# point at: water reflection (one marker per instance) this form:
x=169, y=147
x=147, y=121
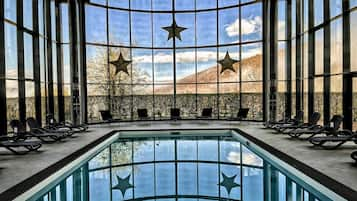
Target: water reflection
x=176, y=168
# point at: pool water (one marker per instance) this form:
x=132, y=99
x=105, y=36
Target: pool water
x=188, y=167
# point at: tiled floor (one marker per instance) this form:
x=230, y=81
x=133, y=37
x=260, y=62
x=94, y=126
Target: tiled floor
x=336, y=164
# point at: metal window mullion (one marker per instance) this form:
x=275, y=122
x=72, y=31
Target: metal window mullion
x=21, y=62
x=346, y=61
x=82, y=66
x=298, y=58
x=174, y=54
x=288, y=59
x=3, y=107
x=327, y=62
x=273, y=59
x=59, y=56
x=217, y=66
x=49, y=56
x=36, y=61
x=311, y=59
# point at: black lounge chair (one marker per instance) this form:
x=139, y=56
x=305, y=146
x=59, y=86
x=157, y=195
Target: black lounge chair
x=143, y=114
x=337, y=140
x=43, y=134
x=330, y=129
x=206, y=113
x=175, y=114
x=242, y=114
x=286, y=121
x=354, y=156
x=55, y=125
x=314, y=119
x=12, y=145
x=107, y=116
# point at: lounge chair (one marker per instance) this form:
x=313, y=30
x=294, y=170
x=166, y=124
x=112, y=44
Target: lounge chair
x=337, y=140
x=206, y=113
x=175, y=114
x=354, y=156
x=107, y=116
x=143, y=114
x=330, y=129
x=55, y=125
x=13, y=145
x=45, y=135
x=242, y=114
x=286, y=121
x=314, y=119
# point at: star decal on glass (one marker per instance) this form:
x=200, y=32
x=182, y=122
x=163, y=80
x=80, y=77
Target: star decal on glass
x=123, y=184
x=174, y=30
x=227, y=63
x=228, y=182
x=121, y=64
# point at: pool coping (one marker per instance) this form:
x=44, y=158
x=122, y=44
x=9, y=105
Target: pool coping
x=335, y=186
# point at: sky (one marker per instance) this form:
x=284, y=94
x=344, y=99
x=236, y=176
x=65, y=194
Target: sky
x=146, y=31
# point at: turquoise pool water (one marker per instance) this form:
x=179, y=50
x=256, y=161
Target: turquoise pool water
x=188, y=166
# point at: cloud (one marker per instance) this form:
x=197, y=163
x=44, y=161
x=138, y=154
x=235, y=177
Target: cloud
x=189, y=57
x=249, y=26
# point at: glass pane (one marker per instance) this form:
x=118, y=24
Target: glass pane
x=187, y=178
x=122, y=153
x=206, y=28
x=207, y=66
x=253, y=184
x=165, y=179
x=185, y=5
x=208, y=150
x=206, y=4
x=228, y=26
x=230, y=171
x=143, y=151
x=144, y=180
x=161, y=35
x=162, y=5
x=250, y=158
x=230, y=151
x=336, y=47
x=319, y=52
x=208, y=179
x=100, y=160
x=319, y=11
x=96, y=29
x=140, y=4
x=11, y=51
x=122, y=173
x=27, y=9
x=99, y=185
x=186, y=150
x=64, y=23
x=119, y=4
x=164, y=150
x=186, y=20
x=141, y=33
x=28, y=56
x=252, y=22
x=10, y=10
x=163, y=66
x=30, y=99
x=142, y=66
x=12, y=100
x=118, y=27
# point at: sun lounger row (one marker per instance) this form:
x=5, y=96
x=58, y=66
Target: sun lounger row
x=20, y=141
x=329, y=136
x=175, y=114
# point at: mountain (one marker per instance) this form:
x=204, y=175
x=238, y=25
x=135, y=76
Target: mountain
x=251, y=72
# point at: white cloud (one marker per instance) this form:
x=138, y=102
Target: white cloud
x=249, y=26
x=187, y=57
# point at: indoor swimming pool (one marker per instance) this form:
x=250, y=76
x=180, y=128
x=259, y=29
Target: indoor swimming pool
x=185, y=165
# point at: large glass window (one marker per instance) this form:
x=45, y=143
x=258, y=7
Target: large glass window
x=171, y=66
